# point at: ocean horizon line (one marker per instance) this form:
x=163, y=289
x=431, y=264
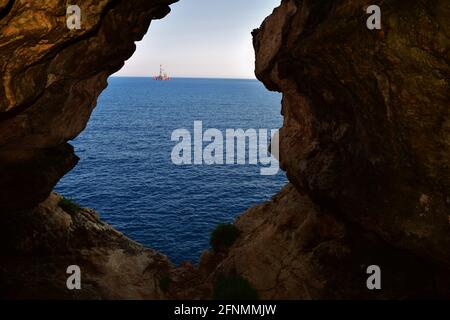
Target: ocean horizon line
x=199, y=78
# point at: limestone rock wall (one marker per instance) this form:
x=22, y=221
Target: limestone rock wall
x=50, y=80
x=38, y=245
x=366, y=113
x=366, y=145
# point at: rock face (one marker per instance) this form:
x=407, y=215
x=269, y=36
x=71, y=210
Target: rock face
x=365, y=144
x=367, y=129
x=366, y=139
x=51, y=78
x=291, y=248
x=43, y=242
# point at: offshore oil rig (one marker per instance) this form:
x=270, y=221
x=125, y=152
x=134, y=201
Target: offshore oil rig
x=162, y=75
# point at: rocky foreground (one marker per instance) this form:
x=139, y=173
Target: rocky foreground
x=365, y=144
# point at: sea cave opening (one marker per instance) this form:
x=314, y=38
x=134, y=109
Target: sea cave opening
x=126, y=172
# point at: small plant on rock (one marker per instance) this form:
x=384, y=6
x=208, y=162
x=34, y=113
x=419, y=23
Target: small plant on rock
x=164, y=283
x=69, y=206
x=223, y=237
x=234, y=287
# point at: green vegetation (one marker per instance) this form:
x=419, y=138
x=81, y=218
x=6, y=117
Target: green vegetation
x=234, y=287
x=69, y=206
x=164, y=283
x=223, y=237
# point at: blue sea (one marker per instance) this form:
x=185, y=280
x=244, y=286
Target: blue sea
x=126, y=173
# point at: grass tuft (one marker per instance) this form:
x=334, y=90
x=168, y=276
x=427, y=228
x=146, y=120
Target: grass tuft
x=69, y=206
x=234, y=287
x=164, y=283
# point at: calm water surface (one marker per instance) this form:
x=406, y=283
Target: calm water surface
x=126, y=173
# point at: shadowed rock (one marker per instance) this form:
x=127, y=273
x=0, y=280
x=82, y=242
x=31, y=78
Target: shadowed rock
x=51, y=78
x=366, y=139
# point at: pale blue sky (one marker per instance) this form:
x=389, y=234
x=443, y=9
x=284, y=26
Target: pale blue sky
x=202, y=38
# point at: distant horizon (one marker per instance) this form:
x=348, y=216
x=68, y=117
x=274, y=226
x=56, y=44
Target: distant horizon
x=206, y=39
x=185, y=77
